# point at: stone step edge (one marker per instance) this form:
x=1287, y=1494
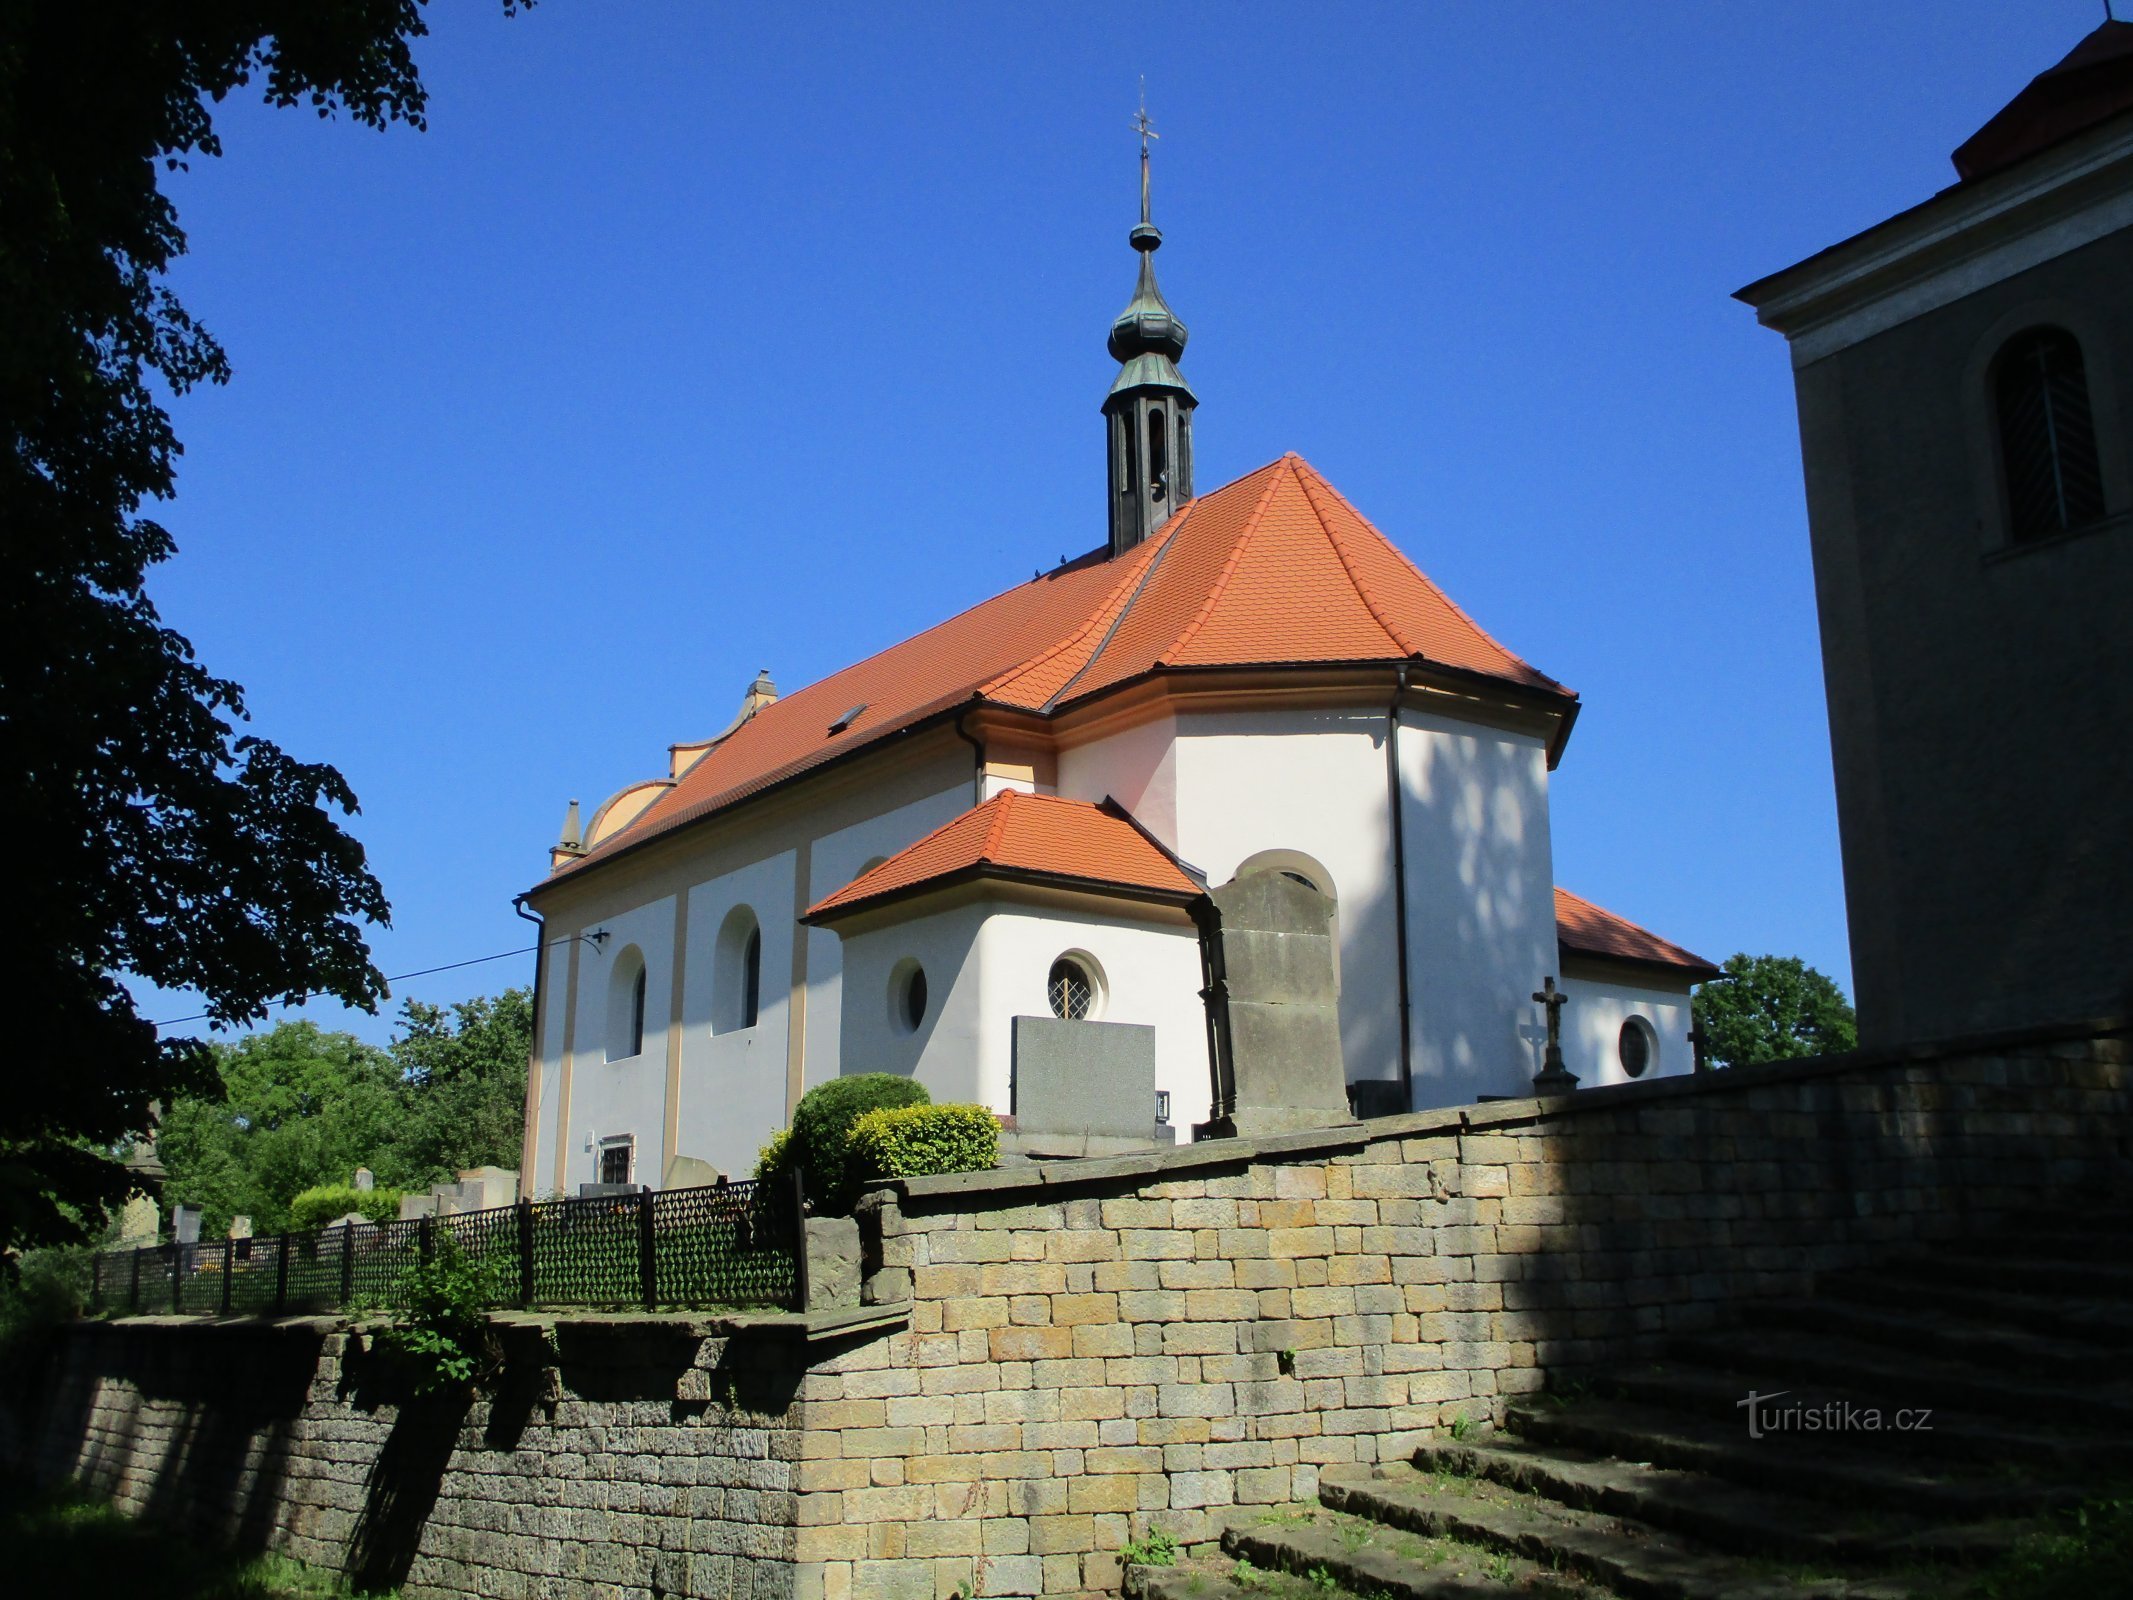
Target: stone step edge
x=1888, y=1328
x=1652, y=1566
x=1975, y=1388
x=1743, y=1520
x=1369, y=1571
x=1697, y=1389
x=1635, y=1438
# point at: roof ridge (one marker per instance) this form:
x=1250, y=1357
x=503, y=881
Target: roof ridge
x=1430, y=583
x=1133, y=575
x=1312, y=482
x=998, y=826
x=1220, y=586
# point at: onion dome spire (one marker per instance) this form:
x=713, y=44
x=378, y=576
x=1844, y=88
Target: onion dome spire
x=1149, y=409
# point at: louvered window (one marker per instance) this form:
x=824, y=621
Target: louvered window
x=2047, y=436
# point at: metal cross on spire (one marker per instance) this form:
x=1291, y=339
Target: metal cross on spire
x=1146, y=129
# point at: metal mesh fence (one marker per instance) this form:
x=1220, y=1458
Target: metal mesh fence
x=731, y=1244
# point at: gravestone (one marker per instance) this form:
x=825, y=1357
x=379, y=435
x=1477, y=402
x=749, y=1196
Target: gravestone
x=185, y=1224
x=1086, y=1078
x=1279, y=985
x=365, y=1180
x=140, y=1223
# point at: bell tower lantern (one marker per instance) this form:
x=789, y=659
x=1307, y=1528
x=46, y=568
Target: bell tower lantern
x=1148, y=413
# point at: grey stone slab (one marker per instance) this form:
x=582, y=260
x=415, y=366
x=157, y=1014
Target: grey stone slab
x=1084, y=1077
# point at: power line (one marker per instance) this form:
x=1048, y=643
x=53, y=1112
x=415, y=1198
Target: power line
x=449, y=966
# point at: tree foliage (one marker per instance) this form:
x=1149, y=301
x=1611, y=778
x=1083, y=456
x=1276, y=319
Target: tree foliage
x=301, y=1108
x=1773, y=1008
x=158, y=839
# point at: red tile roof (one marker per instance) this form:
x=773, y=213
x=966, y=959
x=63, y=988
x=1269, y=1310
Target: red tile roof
x=1027, y=836
x=1584, y=929
x=1273, y=569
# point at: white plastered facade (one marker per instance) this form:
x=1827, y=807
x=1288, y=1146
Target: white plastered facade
x=1301, y=787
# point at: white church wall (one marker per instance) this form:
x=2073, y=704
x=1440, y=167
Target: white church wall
x=733, y=1076
x=547, y=1086
x=987, y=963
x=943, y=1052
x=1136, y=766
x=1313, y=783
x=1600, y=1002
x=1481, y=905
x=613, y=1092
x=836, y=858
x=1148, y=973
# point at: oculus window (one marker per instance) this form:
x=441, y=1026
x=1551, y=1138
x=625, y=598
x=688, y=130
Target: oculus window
x=1636, y=1047
x=1071, y=989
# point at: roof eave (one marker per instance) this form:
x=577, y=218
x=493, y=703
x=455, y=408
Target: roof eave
x=984, y=871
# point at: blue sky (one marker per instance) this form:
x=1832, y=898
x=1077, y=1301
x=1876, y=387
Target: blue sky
x=691, y=340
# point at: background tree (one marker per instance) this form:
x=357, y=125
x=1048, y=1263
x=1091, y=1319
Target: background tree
x=298, y=1107
x=152, y=837
x=1773, y=1008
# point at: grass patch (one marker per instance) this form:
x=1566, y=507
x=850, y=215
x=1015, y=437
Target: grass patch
x=62, y=1543
x=2087, y=1552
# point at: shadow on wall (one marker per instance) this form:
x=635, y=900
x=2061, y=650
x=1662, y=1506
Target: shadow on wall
x=191, y=1448
x=1480, y=918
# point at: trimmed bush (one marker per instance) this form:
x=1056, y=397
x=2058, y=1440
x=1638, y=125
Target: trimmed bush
x=329, y=1202
x=822, y=1132
x=915, y=1141
x=775, y=1159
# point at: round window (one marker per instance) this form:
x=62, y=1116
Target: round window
x=1070, y=989
x=915, y=998
x=1636, y=1047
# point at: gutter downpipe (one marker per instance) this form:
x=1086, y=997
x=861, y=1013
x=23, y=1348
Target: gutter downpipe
x=533, y=1054
x=1399, y=886
x=978, y=745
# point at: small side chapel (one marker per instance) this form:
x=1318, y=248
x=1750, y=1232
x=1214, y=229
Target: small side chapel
x=1235, y=823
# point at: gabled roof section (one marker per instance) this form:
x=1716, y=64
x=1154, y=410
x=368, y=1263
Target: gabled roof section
x=1275, y=569
x=1584, y=929
x=1030, y=837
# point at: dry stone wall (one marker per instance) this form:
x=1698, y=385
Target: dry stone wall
x=621, y=1458
x=1064, y=1357
x=1100, y=1349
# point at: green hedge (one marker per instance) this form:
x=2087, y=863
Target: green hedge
x=314, y=1208
x=822, y=1132
x=914, y=1141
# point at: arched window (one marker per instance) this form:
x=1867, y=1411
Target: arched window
x=737, y=972
x=1073, y=988
x=625, y=1005
x=751, y=977
x=1158, y=457
x=2047, y=435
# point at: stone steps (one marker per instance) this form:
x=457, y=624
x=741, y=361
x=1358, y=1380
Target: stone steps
x=1716, y=1511
x=2100, y=1279
x=1330, y=1555
x=1781, y=1362
x=1949, y=1338
x=1849, y=1473
x=1627, y=1558
x=1713, y=1394
x=2059, y=1317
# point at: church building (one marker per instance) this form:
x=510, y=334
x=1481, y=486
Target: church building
x=1009, y=854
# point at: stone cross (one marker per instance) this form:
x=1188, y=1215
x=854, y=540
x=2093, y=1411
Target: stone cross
x=1700, y=1042
x=1553, y=1077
